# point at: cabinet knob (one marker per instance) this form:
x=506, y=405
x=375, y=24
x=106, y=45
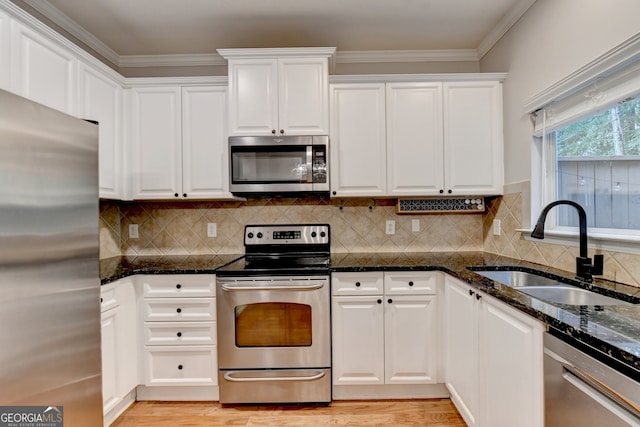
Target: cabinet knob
x=389, y=300
x=379, y=301
x=449, y=191
x=478, y=296
x=176, y=195
x=334, y=193
x=180, y=367
x=179, y=334
x=441, y=191
x=101, y=300
x=179, y=310
x=281, y=131
x=184, y=194
x=471, y=292
x=410, y=283
x=357, y=284
x=178, y=286
x=273, y=131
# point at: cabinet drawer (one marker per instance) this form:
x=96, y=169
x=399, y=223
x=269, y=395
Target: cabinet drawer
x=180, y=333
x=175, y=309
x=179, y=285
x=193, y=365
x=411, y=283
x=360, y=283
x=108, y=297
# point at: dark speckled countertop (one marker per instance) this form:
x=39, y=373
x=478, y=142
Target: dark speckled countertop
x=612, y=332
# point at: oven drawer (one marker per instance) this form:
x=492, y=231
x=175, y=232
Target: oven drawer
x=193, y=365
x=179, y=285
x=176, y=309
x=180, y=333
x=411, y=283
x=360, y=283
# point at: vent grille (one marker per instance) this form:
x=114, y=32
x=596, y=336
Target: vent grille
x=441, y=205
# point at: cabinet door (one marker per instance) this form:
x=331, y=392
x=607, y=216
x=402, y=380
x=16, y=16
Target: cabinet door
x=414, y=139
x=42, y=70
x=358, y=140
x=253, y=96
x=110, y=396
x=410, y=339
x=100, y=99
x=5, y=51
x=511, y=359
x=473, y=138
x=461, y=348
x=358, y=340
x=156, y=142
x=205, y=161
x=303, y=89
x=127, y=338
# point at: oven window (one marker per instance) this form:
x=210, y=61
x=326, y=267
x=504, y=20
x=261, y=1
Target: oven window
x=273, y=325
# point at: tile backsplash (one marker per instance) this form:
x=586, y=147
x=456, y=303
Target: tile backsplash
x=358, y=225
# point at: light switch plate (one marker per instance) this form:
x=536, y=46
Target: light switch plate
x=133, y=231
x=415, y=225
x=212, y=229
x=496, y=227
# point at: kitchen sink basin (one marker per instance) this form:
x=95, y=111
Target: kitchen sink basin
x=571, y=295
x=516, y=279
x=547, y=289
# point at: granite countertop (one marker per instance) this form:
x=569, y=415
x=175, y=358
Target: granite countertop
x=613, y=331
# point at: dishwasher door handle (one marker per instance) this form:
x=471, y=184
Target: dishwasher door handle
x=603, y=396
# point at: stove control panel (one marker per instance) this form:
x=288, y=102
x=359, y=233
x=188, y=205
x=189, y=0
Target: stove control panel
x=291, y=234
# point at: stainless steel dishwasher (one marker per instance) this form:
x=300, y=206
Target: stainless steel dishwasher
x=582, y=391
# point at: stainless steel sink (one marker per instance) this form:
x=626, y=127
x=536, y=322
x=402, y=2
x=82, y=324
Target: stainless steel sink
x=571, y=295
x=547, y=289
x=516, y=279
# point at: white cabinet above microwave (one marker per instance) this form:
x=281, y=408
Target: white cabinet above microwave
x=278, y=91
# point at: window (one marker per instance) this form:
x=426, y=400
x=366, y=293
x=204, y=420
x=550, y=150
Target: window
x=596, y=163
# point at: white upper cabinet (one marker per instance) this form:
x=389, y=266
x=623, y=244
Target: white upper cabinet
x=414, y=139
x=42, y=70
x=358, y=140
x=205, y=158
x=155, y=142
x=100, y=99
x=278, y=91
x=179, y=142
x=473, y=159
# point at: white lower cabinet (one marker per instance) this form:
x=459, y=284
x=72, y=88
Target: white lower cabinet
x=119, y=344
x=385, y=334
x=179, y=353
x=493, y=359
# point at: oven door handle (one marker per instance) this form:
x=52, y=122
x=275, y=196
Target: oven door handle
x=229, y=376
x=274, y=287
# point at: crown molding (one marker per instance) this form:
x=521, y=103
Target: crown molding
x=412, y=78
x=67, y=24
x=189, y=60
x=503, y=26
x=376, y=56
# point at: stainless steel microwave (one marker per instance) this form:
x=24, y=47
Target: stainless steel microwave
x=279, y=165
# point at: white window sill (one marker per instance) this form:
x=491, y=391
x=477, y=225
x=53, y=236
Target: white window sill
x=608, y=242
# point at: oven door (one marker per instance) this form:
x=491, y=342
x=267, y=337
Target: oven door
x=273, y=322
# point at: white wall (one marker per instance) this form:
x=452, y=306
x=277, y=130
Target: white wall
x=553, y=39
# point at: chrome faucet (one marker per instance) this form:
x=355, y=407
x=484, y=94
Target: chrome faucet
x=585, y=269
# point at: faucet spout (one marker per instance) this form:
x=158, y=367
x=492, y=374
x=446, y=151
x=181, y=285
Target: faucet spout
x=584, y=267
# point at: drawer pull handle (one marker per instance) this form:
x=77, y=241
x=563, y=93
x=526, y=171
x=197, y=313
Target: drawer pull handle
x=410, y=283
x=178, y=286
x=179, y=310
x=357, y=284
x=239, y=376
x=180, y=367
x=179, y=334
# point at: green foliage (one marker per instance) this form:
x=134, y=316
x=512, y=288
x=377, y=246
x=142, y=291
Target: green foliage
x=598, y=135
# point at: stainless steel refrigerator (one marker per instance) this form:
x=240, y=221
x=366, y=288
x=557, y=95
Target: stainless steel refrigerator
x=49, y=255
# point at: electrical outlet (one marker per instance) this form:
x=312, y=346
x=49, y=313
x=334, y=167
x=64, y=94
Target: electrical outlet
x=133, y=231
x=391, y=227
x=496, y=227
x=212, y=229
x=415, y=225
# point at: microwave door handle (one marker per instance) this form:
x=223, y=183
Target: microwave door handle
x=309, y=164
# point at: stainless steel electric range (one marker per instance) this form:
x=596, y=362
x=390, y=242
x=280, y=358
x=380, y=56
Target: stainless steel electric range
x=274, y=328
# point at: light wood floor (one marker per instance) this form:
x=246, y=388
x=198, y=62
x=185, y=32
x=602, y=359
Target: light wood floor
x=432, y=412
